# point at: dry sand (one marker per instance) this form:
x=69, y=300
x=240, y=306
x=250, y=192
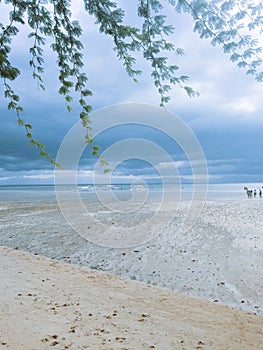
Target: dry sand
x=47, y=304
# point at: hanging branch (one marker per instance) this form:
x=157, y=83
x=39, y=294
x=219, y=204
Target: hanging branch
x=225, y=23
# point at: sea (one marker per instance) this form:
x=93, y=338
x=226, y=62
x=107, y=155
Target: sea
x=90, y=192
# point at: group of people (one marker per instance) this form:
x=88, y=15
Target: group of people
x=253, y=193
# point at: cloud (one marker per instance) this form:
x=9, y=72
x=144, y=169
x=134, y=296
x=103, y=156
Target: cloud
x=226, y=118
x=201, y=177
x=39, y=176
x=26, y=177
x=177, y=164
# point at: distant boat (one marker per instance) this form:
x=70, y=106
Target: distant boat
x=111, y=187
x=138, y=188
x=85, y=188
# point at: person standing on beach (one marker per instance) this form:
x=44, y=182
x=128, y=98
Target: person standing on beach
x=260, y=193
x=255, y=193
x=249, y=193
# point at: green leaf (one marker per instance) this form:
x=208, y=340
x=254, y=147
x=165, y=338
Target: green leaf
x=86, y=92
x=11, y=105
x=69, y=108
x=87, y=108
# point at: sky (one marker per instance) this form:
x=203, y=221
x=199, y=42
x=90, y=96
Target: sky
x=226, y=119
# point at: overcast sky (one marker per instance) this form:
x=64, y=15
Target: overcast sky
x=227, y=117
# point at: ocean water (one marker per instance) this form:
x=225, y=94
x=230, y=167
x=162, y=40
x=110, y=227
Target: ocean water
x=90, y=193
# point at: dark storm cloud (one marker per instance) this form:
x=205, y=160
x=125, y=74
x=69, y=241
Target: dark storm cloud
x=227, y=118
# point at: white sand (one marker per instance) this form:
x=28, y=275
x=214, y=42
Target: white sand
x=47, y=304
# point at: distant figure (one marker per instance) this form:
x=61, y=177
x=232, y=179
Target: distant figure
x=255, y=193
x=249, y=192
x=260, y=193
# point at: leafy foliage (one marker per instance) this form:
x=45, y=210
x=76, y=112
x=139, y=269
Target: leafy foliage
x=229, y=24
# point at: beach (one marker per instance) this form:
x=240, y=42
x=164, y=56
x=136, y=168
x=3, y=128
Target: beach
x=48, y=304
x=210, y=277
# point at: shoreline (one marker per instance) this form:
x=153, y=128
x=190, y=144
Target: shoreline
x=46, y=303
x=220, y=258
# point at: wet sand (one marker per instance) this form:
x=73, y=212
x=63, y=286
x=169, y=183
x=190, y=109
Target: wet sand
x=219, y=259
